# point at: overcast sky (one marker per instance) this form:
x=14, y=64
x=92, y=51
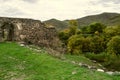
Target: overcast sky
x=59, y=9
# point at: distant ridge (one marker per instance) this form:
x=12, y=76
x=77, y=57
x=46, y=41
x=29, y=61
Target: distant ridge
x=109, y=19
x=59, y=25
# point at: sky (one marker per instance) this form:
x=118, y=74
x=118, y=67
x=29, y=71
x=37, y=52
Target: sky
x=58, y=9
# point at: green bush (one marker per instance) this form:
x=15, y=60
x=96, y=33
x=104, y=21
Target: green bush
x=64, y=36
x=113, y=63
x=102, y=57
x=74, y=45
x=93, y=27
x=113, y=46
x=78, y=44
x=97, y=44
x=110, y=62
x=112, y=31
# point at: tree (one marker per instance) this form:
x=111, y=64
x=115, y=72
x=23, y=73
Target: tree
x=112, y=31
x=97, y=44
x=113, y=45
x=64, y=36
x=78, y=44
x=74, y=45
x=73, y=27
x=96, y=27
x=84, y=30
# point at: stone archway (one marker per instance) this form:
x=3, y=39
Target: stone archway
x=7, y=31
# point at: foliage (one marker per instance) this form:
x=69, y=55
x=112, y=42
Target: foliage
x=97, y=44
x=85, y=30
x=75, y=44
x=113, y=45
x=101, y=42
x=73, y=27
x=96, y=27
x=78, y=44
x=110, y=62
x=64, y=36
x=112, y=31
x=102, y=57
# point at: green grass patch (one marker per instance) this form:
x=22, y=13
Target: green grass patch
x=81, y=59
x=20, y=63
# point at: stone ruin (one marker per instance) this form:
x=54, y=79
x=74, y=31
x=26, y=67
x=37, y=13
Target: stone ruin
x=28, y=31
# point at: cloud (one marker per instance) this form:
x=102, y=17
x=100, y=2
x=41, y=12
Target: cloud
x=107, y=1
x=31, y=1
x=60, y=9
x=13, y=12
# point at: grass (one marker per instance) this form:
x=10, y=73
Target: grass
x=82, y=59
x=20, y=63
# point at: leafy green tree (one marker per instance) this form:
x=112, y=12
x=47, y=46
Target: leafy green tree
x=84, y=30
x=96, y=27
x=97, y=44
x=112, y=31
x=73, y=27
x=78, y=44
x=64, y=36
x=74, y=45
x=113, y=45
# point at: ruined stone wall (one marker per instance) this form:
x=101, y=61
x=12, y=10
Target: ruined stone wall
x=31, y=32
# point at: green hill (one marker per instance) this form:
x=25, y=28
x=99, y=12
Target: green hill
x=20, y=63
x=109, y=19
x=59, y=25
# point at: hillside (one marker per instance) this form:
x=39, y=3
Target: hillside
x=57, y=24
x=108, y=19
x=20, y=63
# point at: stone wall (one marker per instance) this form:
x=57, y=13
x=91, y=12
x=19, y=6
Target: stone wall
x=29, y=31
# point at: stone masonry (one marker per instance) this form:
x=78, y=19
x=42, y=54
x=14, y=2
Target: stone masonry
x=28, y=31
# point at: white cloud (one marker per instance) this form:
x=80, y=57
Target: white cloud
x=60, y=9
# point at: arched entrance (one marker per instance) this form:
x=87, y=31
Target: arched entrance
x=7, y=31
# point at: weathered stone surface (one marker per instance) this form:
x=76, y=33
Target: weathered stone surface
x=100, y=70
x=29, y=31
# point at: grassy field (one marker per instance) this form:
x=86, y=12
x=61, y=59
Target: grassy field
x=19, y=63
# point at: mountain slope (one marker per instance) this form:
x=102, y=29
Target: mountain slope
x=109, y=19
x=56, y=23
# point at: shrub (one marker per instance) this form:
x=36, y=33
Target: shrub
x=112, y=31
x=110, y=62
x=64, y=36
x=113, y=46
x=75, y=44
x=97, y=44
x=78, y=44
x=102, y=57
x=113, y=63
x=96, y=27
